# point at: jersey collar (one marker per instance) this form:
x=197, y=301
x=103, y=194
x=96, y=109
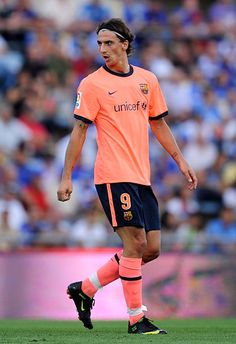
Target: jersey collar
x=123, y=75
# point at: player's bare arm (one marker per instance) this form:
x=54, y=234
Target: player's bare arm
x=164, y=135
x=73, y=152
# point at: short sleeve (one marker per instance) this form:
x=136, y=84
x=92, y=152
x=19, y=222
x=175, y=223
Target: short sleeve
x=157, y=104
x=87, y=105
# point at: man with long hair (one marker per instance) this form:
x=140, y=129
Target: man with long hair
x=122, y=100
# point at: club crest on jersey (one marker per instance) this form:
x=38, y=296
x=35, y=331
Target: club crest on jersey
x=144, y=88
x=78, y=100
x=128, y=215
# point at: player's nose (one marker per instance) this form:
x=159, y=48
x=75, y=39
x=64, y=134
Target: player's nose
x=102, y=48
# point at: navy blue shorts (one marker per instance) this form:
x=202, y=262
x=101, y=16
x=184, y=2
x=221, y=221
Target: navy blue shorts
x=129, y=204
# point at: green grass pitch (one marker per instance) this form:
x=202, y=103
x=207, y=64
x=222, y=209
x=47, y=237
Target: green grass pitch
x=191, y=331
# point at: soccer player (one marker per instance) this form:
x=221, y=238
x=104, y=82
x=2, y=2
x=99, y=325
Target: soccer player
x=122, y=100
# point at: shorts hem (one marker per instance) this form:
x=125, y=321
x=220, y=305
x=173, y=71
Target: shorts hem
x=128, y=225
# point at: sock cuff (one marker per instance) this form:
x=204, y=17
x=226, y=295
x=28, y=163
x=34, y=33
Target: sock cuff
x=130, y=263
x=130, y=269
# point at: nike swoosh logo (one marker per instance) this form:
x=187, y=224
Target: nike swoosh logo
x=82, y=306
x=110, y=93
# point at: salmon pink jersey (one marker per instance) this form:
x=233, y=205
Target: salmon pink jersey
x=121, y=105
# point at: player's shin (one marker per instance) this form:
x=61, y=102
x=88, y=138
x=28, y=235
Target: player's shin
x=106, y=274
x=131, y=278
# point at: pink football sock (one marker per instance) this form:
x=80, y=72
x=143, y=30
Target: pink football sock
x=131, y=278
x=106, y=274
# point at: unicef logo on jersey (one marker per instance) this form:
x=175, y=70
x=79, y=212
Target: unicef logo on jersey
x=131, y=107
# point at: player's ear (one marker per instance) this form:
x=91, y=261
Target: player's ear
x=125, y=45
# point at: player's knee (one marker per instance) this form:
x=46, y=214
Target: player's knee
x=139, y=245
x=135, y=244
x=151, y=254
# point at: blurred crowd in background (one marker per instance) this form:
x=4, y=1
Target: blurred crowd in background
x=46, y=48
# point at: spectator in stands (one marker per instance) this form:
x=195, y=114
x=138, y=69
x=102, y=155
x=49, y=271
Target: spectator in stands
x=16, y=213
x=203, y=148
x=134, y=13
x=189, y=235
x=89, y=230
x=223, y=12
x=11, y=62
x=12, y=131
x=209, y=199
x=10, y=238
x=33, y=227
x=94, y=11
x=181, y=204
x=221, y=232
x=155, y=13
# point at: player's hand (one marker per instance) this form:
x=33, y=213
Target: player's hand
x=189, y=175
x=64, y=191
